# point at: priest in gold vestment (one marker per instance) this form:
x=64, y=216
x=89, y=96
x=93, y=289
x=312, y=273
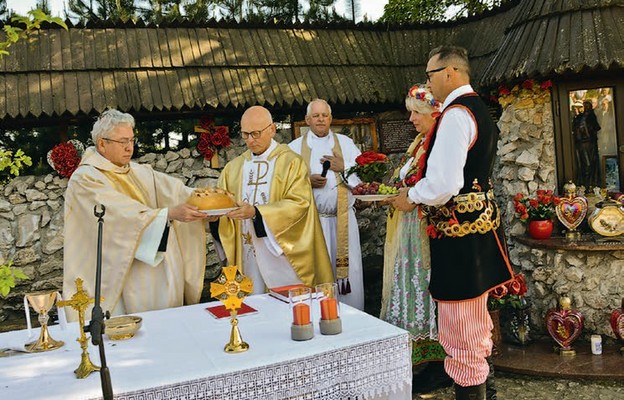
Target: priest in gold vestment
x=275, y=236
x=153, y=244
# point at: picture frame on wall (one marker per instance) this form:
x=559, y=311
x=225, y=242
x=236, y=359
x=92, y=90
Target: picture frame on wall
x=363, y=131
x=610, y=173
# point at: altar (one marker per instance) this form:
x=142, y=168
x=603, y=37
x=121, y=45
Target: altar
x=178, y=354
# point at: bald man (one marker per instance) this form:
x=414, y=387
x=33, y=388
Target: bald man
x=275, y=236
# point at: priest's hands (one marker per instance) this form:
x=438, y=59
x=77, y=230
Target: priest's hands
x=185, y=213
x=401, y=203
x=317, y=181
x=245, y=211
x=335, y=163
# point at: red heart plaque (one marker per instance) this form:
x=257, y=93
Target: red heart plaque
x=564, y=326
x=617, y=322
x=571, y=211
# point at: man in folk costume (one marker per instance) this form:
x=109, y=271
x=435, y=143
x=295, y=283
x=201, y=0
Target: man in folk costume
x=333, y=197
x=275, y=236
x=468, y=253
x=153, y=244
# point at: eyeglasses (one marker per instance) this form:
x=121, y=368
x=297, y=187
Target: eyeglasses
x=433, y=71
x=124, y=142
x=254, y=134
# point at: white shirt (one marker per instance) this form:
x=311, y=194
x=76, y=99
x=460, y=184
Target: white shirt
x=456, y=133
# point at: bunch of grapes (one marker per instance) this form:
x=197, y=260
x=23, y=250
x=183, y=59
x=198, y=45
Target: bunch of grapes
x=373, y=188
x=383, y=189
x=365, y=188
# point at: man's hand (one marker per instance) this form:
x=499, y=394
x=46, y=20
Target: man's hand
x=185, y=213
x=317, y=181
x=400, y=202
x=245, y=211
x=336, y=163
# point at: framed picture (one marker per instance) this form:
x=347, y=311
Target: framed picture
x=363, y=131
x=610, y=173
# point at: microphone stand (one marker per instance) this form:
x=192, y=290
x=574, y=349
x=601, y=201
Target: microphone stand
x=96, y=326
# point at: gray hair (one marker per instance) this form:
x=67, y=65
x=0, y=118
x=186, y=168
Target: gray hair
x=309, y=108
x=453, y=55
x=108, y=121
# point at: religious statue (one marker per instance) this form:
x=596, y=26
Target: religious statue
x=585, y=129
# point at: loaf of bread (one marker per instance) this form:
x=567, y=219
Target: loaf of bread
x=211, y=198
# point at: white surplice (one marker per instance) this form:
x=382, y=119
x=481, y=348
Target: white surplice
x=326, y=202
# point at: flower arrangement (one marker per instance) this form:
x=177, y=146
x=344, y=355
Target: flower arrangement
x=65, y=157
x=539, y=208
x=370, y=166
x=421, y=93
x=528, y=88
x=212, y=137
x=510, y=294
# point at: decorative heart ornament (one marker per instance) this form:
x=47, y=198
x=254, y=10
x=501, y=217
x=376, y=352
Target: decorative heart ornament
x=617, y=322
x=564, y=325
x=571, y=211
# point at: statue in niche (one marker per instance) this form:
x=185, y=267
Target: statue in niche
x=585, y=129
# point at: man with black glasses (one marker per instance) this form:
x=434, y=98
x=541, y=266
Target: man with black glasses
x=153, y=244
x=275, y=236
x=468, y=252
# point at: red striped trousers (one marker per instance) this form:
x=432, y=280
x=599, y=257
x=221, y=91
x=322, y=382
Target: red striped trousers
x=465, y=332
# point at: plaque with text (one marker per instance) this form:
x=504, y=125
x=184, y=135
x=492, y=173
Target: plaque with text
x=396, y=135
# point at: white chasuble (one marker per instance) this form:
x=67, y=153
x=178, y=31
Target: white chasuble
x=264, y=260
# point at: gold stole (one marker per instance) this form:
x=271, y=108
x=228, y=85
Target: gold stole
x=128, y=184
x=342, y=215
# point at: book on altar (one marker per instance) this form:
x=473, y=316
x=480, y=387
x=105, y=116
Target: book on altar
x=281, y=292
x=220, y=311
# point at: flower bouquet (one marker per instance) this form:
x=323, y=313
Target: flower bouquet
x=539, y=208
x=212, y=138
x=510, y=294
x=514, y=308
x=370, y=167
x=65, y=157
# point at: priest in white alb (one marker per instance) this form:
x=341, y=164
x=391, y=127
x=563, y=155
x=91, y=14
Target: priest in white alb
x=153, y=244
x=275, y=236
x=333, y=198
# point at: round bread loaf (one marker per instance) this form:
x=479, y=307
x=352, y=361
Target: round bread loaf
x=211, y=199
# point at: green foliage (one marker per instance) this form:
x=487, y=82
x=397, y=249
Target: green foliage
x=8, y=277
x=27, y=24
x=14, y=163
x=419, y=11
x=87, y=10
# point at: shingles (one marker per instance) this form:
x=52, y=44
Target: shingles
x=135, y=67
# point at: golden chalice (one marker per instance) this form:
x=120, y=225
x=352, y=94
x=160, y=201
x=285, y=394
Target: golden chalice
x=42, y=303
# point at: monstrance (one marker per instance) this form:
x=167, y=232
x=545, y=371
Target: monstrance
x=231, y=287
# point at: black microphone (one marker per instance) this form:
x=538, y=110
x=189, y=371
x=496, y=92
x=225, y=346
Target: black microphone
x=326, y=165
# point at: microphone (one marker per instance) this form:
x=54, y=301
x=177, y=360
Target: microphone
x=326, y=165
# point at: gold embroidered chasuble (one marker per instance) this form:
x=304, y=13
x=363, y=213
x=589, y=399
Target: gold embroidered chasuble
x=290, y=214
x=133, y=196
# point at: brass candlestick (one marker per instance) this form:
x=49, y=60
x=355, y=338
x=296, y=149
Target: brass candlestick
x=231, y=287
x=79, y=302
x=42, y=303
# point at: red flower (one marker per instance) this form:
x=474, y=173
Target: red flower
x=542, y=207
x=499, y=292
x=503, y=90
x=213, y=138
x=528, y=84
x=371, y=166
x=546, y=84
x=65, y=159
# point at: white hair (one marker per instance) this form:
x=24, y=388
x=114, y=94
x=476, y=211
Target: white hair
x=108, y=121
x=309, y=108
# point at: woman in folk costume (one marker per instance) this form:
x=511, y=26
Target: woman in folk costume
x=406, y=301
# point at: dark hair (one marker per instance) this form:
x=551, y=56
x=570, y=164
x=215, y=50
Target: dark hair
x=452, y=54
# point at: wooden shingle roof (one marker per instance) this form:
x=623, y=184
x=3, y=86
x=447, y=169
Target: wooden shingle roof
x=560, y=36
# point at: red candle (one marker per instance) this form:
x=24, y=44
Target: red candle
x=329, y=308
x=301, y=314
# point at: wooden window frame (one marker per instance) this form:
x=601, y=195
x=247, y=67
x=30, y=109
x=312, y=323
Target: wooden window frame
x=564, y=144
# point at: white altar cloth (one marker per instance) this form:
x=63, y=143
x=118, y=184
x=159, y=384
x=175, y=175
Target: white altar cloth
x=178, y=354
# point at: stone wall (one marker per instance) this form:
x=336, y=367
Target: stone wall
x=526, y=162
x=31, y=224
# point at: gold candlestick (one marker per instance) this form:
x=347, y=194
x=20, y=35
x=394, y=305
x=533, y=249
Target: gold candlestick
x=231, y=287
x=79, y=302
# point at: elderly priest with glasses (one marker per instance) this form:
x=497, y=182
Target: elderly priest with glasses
x=275, y=236
x=153, y=243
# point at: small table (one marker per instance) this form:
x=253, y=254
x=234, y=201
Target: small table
x=178, y=354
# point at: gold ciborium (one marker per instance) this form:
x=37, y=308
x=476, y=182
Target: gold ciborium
x=231, y=287
x=42, y=303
